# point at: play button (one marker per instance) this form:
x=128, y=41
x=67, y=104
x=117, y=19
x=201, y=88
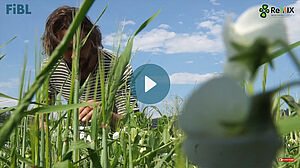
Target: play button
x=150, y=84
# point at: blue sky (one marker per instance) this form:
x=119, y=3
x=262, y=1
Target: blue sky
x=185, y=38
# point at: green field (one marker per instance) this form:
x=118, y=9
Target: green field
x=43, y=135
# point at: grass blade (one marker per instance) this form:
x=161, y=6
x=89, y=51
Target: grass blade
x=2, y=56
x=146, y=23
x=282, y=51
x=50, y=109
x=8, y=41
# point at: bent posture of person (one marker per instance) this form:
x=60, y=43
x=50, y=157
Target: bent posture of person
x=60, y=81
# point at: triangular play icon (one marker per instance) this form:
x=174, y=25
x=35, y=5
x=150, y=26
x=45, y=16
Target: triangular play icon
x=149, y=84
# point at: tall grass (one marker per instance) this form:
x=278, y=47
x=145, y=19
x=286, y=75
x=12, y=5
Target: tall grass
x=135, y=142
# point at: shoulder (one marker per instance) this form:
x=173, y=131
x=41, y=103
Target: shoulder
x=45, y=61
x=60, y=62
x=107, y=54
x=60, y=68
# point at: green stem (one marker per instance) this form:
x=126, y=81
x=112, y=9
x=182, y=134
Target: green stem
x=47, y=158
x=42, y=154
x=104, y=144
x=36, y=140
x=24, y=140
x=59, y=139
x=66, y=134
x=75, y=71
x=130, y=149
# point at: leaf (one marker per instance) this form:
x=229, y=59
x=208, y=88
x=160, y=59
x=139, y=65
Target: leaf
x=117, y=154
x=64, y=164
x=291, y=102
x=50, y=109
x=79, y=145
x=153, y=107
x=28, y=162
x=180, y=158
x=133, y=133
x=280, y=52
x=166, y=135
x=264, y=81
x=4, y=160
x=153, y=151
x=9, y=97
x=161, y=161
x=7, y=109
x=288, y=125
x=2, y=56
x=84, y=85
x=5, y=96
x=95, y=158
x=57, y=122
x=8, y=42
x=87, y=36
x=67, y=156
x=146, y=22
x=259, y=118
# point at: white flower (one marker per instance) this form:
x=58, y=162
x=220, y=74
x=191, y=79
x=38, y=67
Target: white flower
x=143, y=149
x=216, y=104
x=116, y=135
x=141, y=142
x=248, y=27
x=164, y=154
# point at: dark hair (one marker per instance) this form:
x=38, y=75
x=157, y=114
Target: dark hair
x=60, y=19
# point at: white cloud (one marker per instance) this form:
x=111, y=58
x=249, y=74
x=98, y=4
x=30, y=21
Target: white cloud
x=206, y=24
x=189, y=62
x=215, y=15
x=113, y=39
x=293, y=23
x=207, y=38
x=4, y=102
x=154, y=41
x=164, y=26
x=192, y=43
x=191, y=78
x=180, y=22
x=10, y=83
x=214, y=2
x=169, y=42
x=129, y=22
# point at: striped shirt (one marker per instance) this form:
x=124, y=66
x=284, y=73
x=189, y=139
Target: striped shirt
x=60, y=82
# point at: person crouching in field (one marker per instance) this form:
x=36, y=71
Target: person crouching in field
x=60, y=81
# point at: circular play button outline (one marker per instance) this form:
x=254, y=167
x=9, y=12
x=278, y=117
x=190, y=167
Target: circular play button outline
x=150, y=83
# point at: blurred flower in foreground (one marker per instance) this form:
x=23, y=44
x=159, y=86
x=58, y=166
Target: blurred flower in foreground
x=223, y=126
x=218, y=108
x=249, y=41
x=226, y=128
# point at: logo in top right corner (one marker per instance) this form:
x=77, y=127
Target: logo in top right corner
x=275, y=11
x=264, y=10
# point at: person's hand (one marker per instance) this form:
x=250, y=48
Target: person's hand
x=85, y=113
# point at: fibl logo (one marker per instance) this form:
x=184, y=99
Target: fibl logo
x=17, y=9
x=275, y=11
